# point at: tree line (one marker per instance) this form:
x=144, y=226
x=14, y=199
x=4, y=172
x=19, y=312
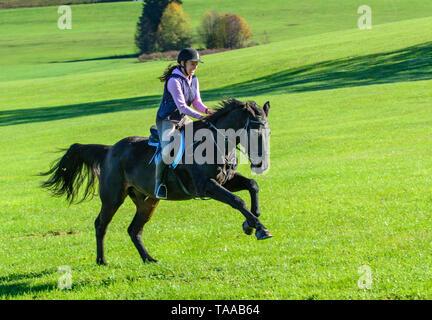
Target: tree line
x=164, y=26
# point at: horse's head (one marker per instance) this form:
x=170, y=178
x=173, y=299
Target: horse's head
x=257, y=144
x=245, y=123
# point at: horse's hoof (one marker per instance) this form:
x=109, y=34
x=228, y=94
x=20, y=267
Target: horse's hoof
x=151, y=260
x=263, y=234
x=247, y=229
x=101, y=262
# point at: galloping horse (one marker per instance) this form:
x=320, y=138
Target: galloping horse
x=127, y=169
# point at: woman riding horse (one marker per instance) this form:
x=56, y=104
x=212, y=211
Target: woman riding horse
x=127, y=169
x=180, y=91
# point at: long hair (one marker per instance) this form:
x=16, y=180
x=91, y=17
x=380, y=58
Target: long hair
x=168, y=71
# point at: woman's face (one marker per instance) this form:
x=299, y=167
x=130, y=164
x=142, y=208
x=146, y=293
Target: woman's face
x=191, y=66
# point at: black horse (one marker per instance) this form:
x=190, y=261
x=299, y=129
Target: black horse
x=127, y=169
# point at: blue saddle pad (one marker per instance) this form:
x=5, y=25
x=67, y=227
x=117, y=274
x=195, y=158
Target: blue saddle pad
x=154, y=141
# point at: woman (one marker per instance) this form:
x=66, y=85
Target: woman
x=180, y=91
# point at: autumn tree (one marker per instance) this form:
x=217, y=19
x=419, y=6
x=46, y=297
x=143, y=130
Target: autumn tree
x=175, y=29
x=208, y=30
x=148, y=23
x=237, y=31
x=224, y=30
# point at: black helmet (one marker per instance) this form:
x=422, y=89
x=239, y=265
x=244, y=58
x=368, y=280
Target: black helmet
x=188, y=54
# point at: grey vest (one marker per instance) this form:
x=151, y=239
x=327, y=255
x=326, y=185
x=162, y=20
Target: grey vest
x=168, y=109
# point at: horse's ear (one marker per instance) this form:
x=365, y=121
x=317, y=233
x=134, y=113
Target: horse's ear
x=267, y=108
x=249, y=109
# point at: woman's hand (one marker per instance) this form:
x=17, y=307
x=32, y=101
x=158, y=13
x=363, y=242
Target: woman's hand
x=208, y=111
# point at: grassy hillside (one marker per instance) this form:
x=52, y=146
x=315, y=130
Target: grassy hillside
x=8, y=4
x=31, y=35
x=350, y=178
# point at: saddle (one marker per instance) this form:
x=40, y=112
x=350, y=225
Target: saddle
x=157, y=157
x=154, y=136
x=154, y=141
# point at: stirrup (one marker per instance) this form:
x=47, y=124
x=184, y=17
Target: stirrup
x=161, y=192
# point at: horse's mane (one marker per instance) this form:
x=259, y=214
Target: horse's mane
x=226, y=106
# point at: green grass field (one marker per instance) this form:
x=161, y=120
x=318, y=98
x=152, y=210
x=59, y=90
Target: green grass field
x=350, y=182
x=8, y=4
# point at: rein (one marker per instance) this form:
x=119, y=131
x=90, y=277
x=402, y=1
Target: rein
x=245, y=127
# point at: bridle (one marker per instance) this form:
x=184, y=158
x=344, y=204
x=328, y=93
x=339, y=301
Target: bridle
x=226, y=138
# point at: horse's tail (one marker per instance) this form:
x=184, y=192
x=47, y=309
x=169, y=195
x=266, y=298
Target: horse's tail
x=81, y=162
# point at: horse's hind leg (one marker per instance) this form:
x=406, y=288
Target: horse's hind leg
x=101, y=226
x=112, y=199
x=145, y=208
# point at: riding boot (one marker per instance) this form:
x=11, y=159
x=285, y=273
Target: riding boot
x=160, y=189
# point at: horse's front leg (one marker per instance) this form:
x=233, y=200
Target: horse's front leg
x=215, y=191
x=238, y=183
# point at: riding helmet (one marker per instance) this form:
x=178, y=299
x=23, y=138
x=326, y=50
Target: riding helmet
x=188, y=54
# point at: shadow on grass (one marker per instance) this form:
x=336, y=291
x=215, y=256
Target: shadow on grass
x=21, y=116
x=409, y=64
x=19, y=289
x=124, y=56
x=16, y=284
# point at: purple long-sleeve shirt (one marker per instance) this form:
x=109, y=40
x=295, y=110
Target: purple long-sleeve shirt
x=175, y=88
